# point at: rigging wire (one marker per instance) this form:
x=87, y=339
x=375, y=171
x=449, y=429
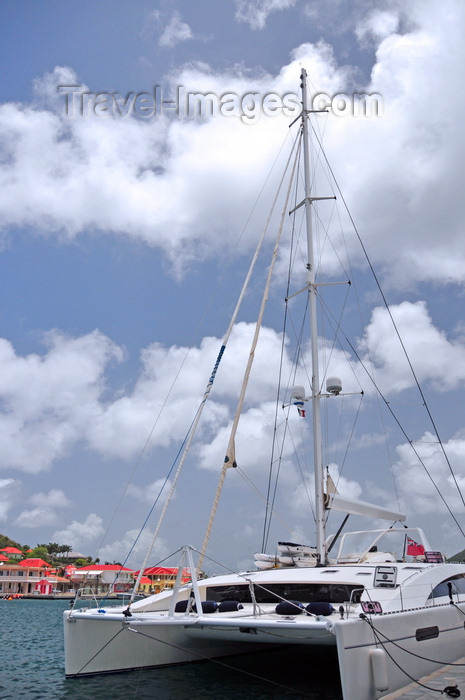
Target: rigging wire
x=337, y=330
x=272, y=491
x=372, y=379
x=230, y=458
x=350, y=276
x=205, y=315
x=194, y=425
x=288, y=526
x=379, y=394
x=269, y=502
x=404, y=433
x=346, y=452
x=222, y=664
x=185, y=445
x=420, y=390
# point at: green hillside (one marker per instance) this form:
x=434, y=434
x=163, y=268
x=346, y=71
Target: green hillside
x=6, y=542
x=460, y=556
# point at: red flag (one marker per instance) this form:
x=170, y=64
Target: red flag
x=301, y=412
x=413, y=548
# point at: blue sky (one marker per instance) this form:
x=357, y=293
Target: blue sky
x=119, y=234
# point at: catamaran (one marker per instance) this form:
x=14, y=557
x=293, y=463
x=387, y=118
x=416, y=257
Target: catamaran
x=389, y=604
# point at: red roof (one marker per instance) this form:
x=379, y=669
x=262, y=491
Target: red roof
x=103, y=567
x=161, y=571
x=2, y=558
x=35, y=562
x=165, y=571
x=11, y=550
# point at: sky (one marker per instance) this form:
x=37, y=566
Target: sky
x=124, y=243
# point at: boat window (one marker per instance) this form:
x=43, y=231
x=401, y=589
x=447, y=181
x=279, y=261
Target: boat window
x=393, y=541
x=442, y=589
x=271, y=592
x=426, y=633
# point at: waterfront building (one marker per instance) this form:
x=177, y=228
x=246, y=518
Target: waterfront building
x=103, y=578
x=24, y=578
x=160, y=578
x=12, y=553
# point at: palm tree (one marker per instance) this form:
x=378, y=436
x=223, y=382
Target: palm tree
x=53, y=548
x=65, y=549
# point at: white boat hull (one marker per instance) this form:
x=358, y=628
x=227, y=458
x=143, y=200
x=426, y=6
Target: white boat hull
x=372, y=670
x=109, y=642
x=412, y=635
x=377, y=654
x=94, y=645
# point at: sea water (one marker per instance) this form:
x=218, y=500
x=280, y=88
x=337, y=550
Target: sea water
x=32, y=666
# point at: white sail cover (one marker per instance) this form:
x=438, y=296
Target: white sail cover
x=354, y=507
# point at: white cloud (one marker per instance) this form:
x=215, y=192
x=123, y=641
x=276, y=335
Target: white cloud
x=36, y=517
x=55, y=498
x=45, y=512
x=8, y=487
x=52, y=402
x=150, y=493
x=348, y=487
x=175, y=32
x=137, y=544
x=379, y=24
x=49, y=401
x=419, y=491
x=399, y=172
x=256, y=12
x=412, y=185
x=79, y=534
x=122, y=427
x=442, y=365
x=252, y=444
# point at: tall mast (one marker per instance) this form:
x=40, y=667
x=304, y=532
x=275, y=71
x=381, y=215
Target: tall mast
x=312, y=292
